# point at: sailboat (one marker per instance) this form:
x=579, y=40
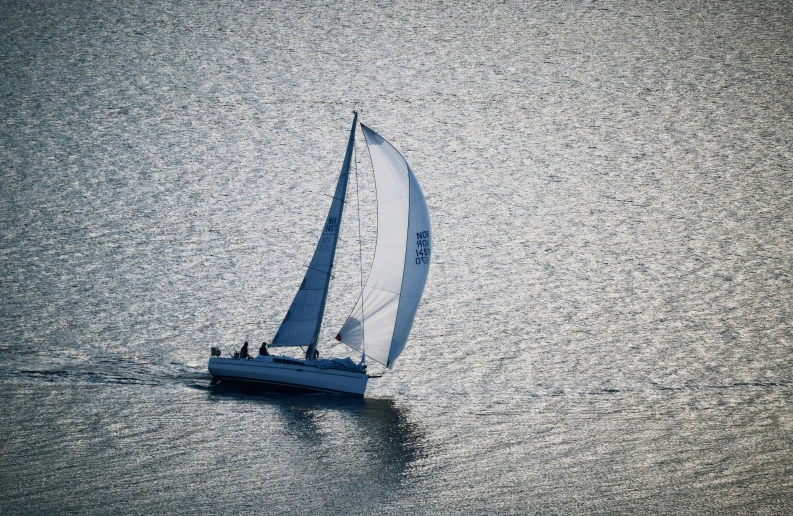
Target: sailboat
x=383, y=315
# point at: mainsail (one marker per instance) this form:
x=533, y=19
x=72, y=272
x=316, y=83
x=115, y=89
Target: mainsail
x=383, y=316
x=301, y=324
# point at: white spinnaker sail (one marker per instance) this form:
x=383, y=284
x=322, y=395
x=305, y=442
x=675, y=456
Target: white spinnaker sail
x=381, y=320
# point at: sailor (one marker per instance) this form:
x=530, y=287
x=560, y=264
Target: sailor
x=244, y=350
x=263, y=349
x=308, y=354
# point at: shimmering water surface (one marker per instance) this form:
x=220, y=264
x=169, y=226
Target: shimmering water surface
x=607, y=323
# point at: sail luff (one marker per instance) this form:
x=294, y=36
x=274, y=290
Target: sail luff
x=302, y=322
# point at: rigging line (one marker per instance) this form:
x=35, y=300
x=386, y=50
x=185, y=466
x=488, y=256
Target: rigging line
x=360, y=255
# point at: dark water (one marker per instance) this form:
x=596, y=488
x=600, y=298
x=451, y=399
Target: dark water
x=607, y=323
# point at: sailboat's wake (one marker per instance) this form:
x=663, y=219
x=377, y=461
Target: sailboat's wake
x=104, y=370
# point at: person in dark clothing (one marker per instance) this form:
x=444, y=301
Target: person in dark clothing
x=308, y=354
x=263, y=349
x=244, y=350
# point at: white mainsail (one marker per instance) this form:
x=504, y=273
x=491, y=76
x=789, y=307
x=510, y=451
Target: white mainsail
x=383, y=316
x=301, y=324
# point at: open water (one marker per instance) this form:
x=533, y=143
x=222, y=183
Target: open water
x=607, y=323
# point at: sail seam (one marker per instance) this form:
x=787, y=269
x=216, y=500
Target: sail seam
x=384, y=290
x=404, y=266
x=314, y=269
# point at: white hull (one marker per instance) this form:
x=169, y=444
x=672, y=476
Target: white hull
x=289, y=375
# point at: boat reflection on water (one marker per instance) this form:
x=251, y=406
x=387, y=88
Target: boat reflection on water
x=359, y=441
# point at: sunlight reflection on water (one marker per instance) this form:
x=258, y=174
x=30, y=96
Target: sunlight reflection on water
x=606, y=325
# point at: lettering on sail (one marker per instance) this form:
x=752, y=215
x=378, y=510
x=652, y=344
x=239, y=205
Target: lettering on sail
x=327, y=238
x=331, y=226
x=423, y=247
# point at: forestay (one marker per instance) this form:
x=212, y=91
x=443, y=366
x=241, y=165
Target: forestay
x=383, y=316
x=301, y=324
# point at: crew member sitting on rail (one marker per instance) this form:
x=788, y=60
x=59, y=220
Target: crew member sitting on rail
x=263, y=349
x=244, y=350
